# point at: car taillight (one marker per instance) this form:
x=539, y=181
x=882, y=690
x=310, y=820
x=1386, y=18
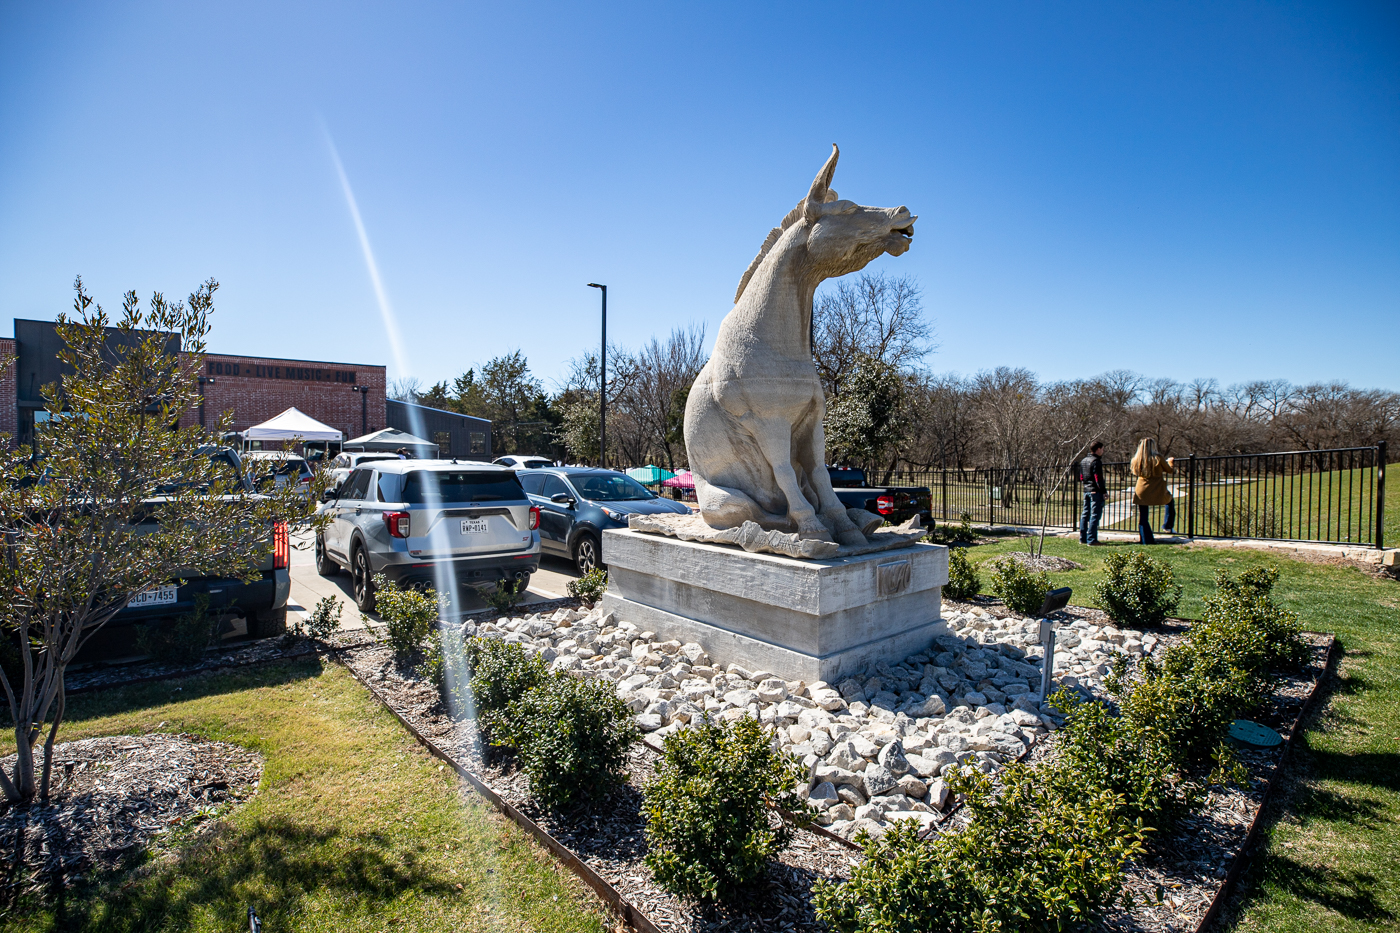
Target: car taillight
x=281, y=546
x=397, y=523
x=884, y=505
x=534, y=517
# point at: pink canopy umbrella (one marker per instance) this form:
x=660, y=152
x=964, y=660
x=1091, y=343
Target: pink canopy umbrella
x=683, y=479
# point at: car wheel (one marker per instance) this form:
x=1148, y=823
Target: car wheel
x=325, y=565
x=362, y=583
x=586, y=554
x=522, y=584
x=269, y=623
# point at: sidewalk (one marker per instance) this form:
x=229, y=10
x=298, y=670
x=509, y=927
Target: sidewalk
x=1389, y=557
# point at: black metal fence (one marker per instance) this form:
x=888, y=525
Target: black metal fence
x=1310, y=495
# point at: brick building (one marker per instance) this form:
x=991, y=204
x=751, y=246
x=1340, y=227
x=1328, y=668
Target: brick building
x=347, y=396
x=256, y=388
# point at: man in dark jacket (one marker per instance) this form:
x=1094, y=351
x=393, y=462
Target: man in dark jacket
x=1091, y=475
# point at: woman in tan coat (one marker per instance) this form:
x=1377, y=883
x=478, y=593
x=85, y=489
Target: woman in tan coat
x=1151, y=470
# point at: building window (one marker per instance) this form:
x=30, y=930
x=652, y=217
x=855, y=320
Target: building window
x=478, y=442
x=444, y=441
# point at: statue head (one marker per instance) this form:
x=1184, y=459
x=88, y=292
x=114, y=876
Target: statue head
x=844, y=236
x=840, y=236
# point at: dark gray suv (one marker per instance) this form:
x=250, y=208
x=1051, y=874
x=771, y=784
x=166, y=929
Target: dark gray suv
x=578, y=503
x=418, y=521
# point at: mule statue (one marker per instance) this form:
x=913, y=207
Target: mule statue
x=753, y=421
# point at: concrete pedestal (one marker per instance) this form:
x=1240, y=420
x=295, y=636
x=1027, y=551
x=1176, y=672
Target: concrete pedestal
x=801, y=619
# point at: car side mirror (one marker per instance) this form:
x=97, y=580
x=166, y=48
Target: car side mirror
x=329, y=495
x=562, y=498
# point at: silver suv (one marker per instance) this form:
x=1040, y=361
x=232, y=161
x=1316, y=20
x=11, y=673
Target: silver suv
x=420, y=521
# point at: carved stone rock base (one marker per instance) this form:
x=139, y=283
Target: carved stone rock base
x=757, y=540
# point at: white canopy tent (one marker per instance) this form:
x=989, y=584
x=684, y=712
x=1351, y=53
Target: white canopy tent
x=291, y=425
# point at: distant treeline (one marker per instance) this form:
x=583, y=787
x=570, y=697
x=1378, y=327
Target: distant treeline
x=886, y=408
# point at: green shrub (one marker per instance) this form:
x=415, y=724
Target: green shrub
x=1021, y=589
x=325, y=619
x=1043, y=851
x=444, y=662
x=571, y=737
x=501, y=673
x=961, y=533
x=1138, y=591
x=1261, y=634
x=963, y=581
x=710, y=826
x=1133, y=759
x=505, y=597
x=183, y=639
x=590, y=587
x=409, y=614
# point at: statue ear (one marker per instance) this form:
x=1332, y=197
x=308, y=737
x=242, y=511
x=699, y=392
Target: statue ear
x=821, y=186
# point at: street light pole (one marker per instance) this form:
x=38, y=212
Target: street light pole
x=603, y=383
x=364, y=407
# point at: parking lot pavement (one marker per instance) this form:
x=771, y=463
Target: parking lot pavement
x=309, y=587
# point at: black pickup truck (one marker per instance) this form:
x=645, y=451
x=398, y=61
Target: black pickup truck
x=895, y=503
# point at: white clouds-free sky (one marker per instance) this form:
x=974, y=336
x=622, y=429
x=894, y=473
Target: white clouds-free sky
x=1182, y=189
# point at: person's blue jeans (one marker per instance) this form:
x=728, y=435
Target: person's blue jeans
x=1145, y=525
x=1089, y=520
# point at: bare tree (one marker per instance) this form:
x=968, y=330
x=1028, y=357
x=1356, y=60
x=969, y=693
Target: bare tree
x=876, y=316
x=1006, y=402
x=661, y=375
x=406, y=389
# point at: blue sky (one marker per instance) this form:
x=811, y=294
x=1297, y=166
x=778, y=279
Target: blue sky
x=1182, y=189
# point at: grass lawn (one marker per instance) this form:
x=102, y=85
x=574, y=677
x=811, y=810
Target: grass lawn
x=354, y=828
x=1332, y=853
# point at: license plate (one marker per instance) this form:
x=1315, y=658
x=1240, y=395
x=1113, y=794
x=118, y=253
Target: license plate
x=156, y=596
x=473, y=526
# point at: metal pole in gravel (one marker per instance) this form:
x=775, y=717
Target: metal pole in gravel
x=1055, y=600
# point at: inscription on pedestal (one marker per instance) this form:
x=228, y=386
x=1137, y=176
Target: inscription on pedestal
x=892, y=578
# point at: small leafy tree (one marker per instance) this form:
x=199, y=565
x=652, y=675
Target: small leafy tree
x=409, y=613
x=325, y=619
x=570, y=735
x=183, y=639
x=590, y=587
x=868, y=418
x=114, y=497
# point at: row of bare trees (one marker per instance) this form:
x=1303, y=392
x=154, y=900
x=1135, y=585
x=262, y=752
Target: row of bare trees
x=1008, y=418
x=887, y=410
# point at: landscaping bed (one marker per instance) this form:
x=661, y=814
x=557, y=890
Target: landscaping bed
x=1190, y=865
x=608, y=834
x=111, y=799
x=89, y=677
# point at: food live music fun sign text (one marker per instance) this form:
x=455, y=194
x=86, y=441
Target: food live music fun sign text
x=283, y=371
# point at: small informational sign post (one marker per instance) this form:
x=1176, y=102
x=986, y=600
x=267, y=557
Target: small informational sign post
x=1055, y=600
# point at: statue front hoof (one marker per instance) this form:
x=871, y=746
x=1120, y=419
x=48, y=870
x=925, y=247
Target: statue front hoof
x=852, y=537
x=814, y=532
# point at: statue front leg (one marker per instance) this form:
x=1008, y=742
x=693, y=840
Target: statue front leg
x=833, y=512
x=774, y=438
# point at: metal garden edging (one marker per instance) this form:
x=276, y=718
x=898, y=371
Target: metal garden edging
x=1244, y=855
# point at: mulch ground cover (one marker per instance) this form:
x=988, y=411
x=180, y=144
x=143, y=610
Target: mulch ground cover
x=111, y=799
x=89, y=677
